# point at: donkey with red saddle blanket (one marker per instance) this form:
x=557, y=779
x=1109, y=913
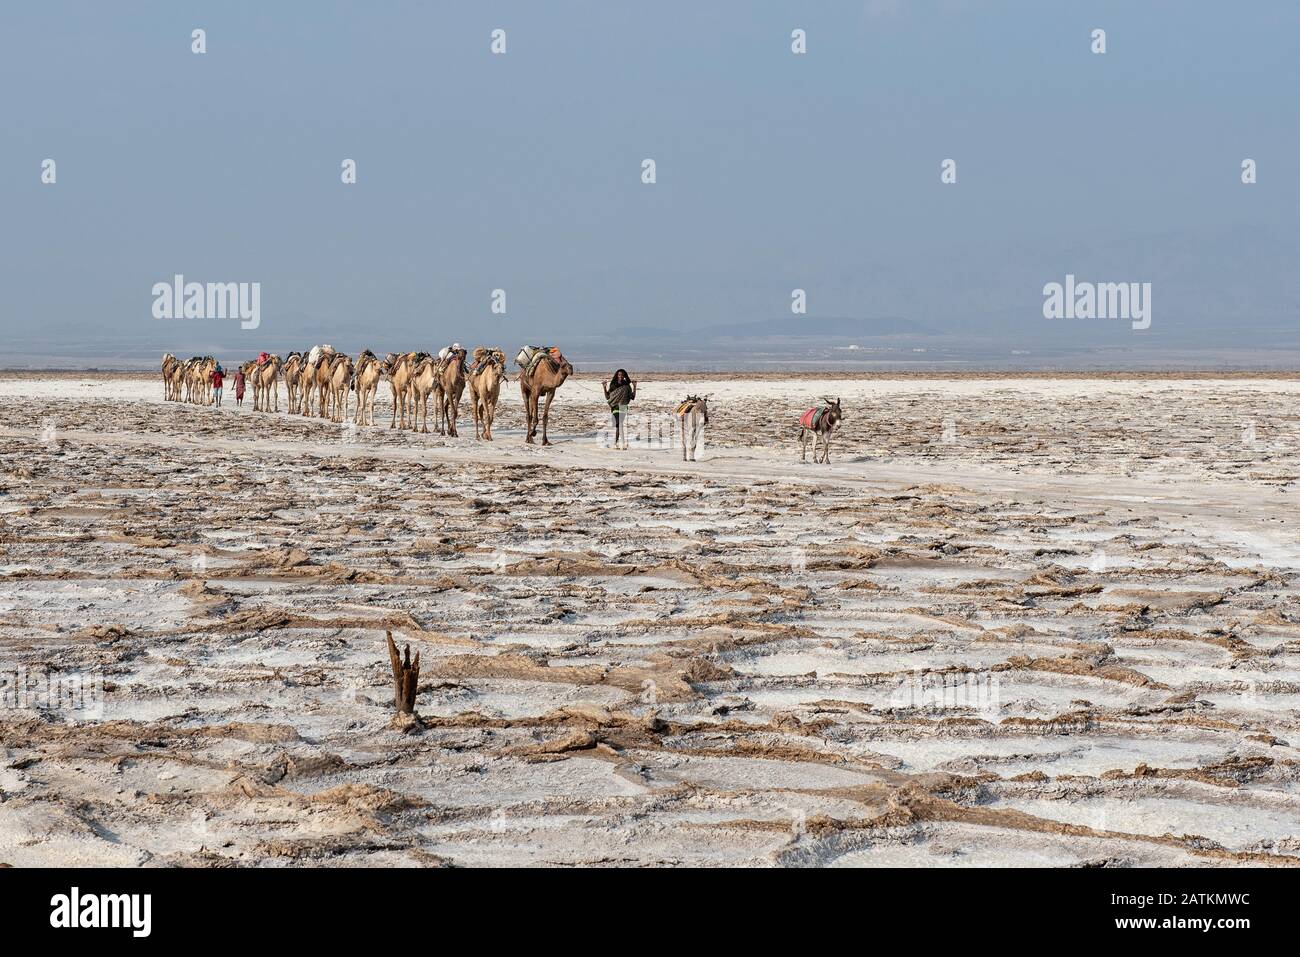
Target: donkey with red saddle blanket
x=818, y=424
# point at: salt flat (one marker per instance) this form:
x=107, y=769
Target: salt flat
x=1015, y=621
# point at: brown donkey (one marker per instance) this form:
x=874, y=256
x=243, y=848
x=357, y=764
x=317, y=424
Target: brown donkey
x=819, y=424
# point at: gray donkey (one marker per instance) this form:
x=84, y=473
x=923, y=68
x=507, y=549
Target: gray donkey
x=818, y=424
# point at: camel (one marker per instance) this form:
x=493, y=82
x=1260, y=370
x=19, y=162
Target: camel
x=198, y=379
x=169, y=363
x=292, y=372
x=451, y=385
x=177, y=380
x=265, y=379
x=189, y=378
x=338, y=385
x=205, y=370
x=425, y=380
x=397, y=366
x=366, y=383
x=542, y=377
x=819, y=425
x=307, y=380
x=315, y=377
x=485, y=380
x=694, y=417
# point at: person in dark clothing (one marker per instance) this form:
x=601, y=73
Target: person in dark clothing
x=619, y=393
x=218, y=375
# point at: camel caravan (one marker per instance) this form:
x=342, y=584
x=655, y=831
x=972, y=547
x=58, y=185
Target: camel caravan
x=188, y=381
x=322, y=380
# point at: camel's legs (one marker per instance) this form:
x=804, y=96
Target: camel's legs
x=546, y=416
x=530, y=411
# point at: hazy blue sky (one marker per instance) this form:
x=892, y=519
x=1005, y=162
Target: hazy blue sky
x=522, y=171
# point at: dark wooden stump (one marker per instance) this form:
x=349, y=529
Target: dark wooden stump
x=406, y=678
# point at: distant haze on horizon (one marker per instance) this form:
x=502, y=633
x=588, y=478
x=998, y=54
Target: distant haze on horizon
x=775, y=172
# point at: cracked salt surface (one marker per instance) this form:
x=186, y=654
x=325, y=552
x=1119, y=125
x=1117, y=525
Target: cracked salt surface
x=626, y=659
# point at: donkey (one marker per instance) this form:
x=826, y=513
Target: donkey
x=818, y=424
x=694, y=416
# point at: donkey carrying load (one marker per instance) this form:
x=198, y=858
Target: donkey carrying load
x=693, y=414
x=818, y=424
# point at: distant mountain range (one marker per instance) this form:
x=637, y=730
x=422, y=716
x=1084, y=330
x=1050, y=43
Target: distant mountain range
x=803, y=328
x=1004, y=341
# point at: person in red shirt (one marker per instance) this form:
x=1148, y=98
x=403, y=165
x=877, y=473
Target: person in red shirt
x=239, y=387
x=217, y=377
